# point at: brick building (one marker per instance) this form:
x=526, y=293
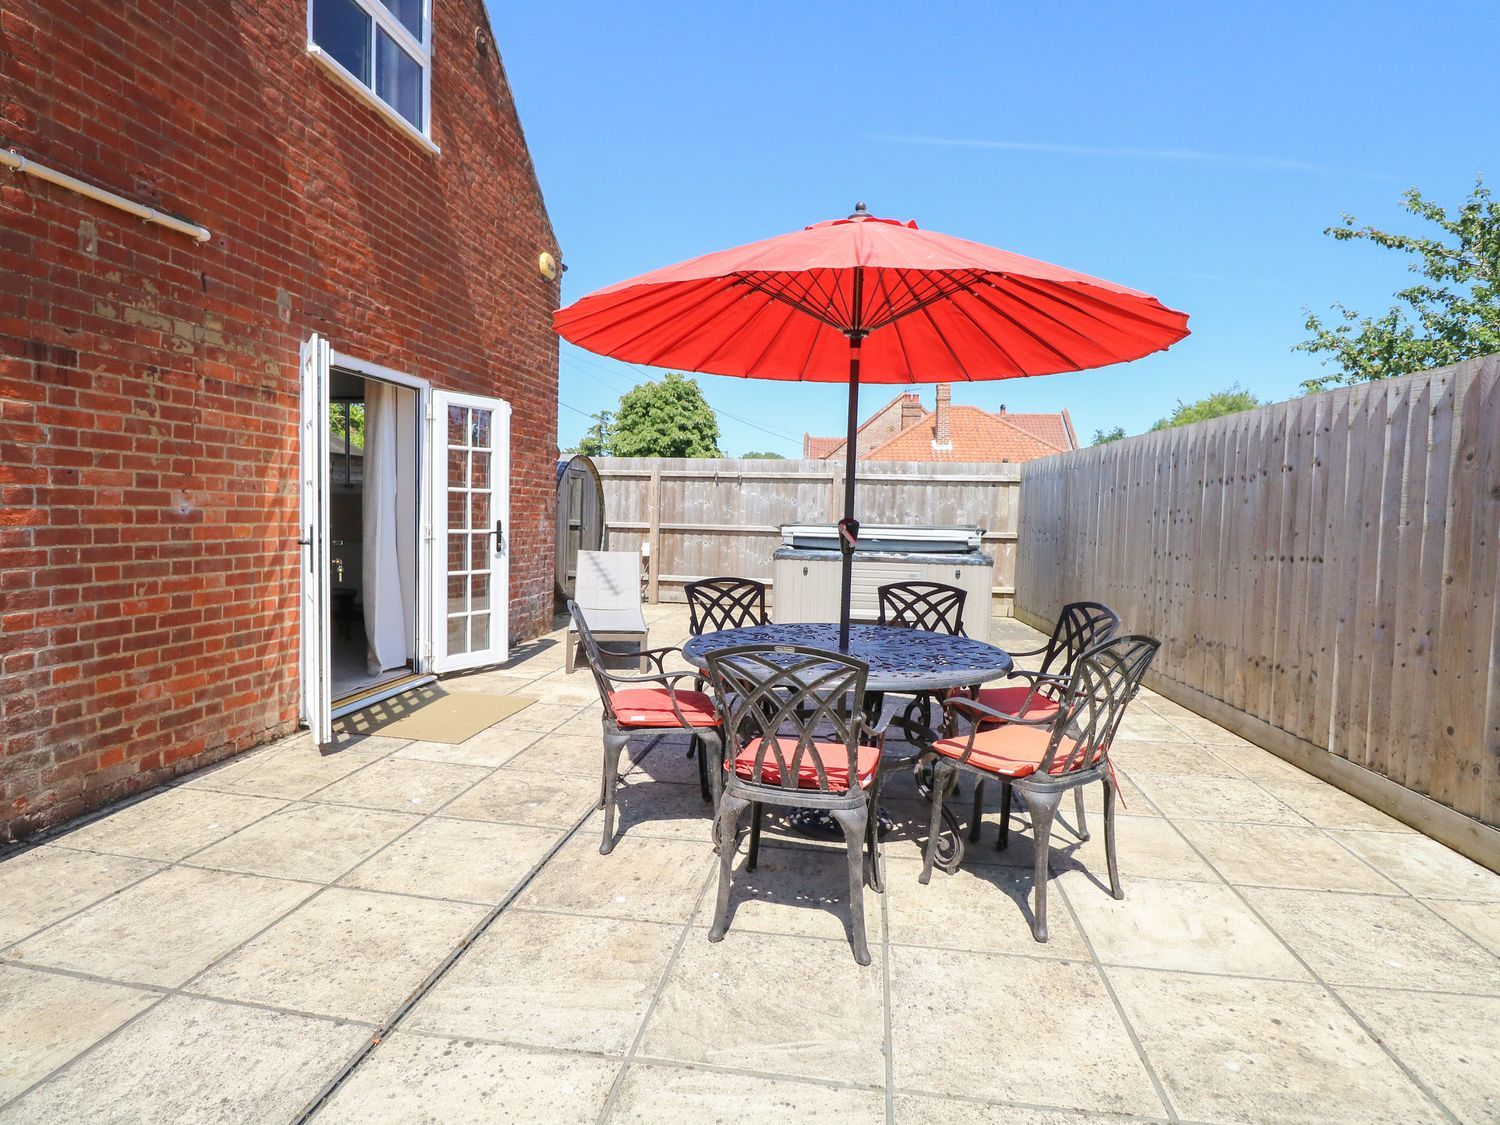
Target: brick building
x=377, y=277
x=904, y=430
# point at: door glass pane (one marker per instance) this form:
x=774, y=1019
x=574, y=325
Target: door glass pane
x=481, y=470
x=458, y=424
x=341, y=28
x=409, y=12
x=458, y=635
x=458, y=468
x=480, y=552
x=458, y=552
x=480, y=430
x=479, y=625
x=398, y=79
x=479, y=587
x=458, y=510
x=456, y=584
x=479, y=507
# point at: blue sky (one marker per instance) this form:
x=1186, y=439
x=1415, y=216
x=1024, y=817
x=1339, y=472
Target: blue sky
x=1192, y=150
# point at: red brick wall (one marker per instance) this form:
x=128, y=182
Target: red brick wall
x=149, y=384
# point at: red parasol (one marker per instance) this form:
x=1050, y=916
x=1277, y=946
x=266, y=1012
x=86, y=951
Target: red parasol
x=869, y=300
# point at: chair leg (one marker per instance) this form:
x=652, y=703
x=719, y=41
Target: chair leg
x=876, y=874
x=703, y=786
x=1004, y=841
x=710, y=747
x=726, y=824
x=854, y=823
x=1043, y=808
x=756, y=811
x=942, y=776
x=1109, y=840
x=1083, y=824
x=976, y=826
x=614, y=746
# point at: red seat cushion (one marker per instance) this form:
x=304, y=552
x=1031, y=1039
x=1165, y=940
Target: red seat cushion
x=1009, y=750
x=1010, y=699
x=652, y=707
x=834, y=756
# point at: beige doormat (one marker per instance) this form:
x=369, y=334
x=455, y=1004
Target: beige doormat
x=430, y=714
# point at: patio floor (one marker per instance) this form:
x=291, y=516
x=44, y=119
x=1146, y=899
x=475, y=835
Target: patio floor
x=419, y=931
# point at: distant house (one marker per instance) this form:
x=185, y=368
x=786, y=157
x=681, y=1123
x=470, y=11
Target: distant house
x=904, y=430
x=226, y=230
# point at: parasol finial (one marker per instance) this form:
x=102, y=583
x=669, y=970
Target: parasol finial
x=860, y=212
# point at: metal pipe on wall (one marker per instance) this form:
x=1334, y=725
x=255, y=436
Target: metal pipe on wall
x=18, y=163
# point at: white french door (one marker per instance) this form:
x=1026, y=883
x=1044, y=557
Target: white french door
x=470, y=506
x=313, y=536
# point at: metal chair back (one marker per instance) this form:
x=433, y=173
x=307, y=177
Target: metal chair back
x=725, y=603
x=1080, y=627
x=797, y=709
x=1105, y=679
x=933, y=606
x=592, y=654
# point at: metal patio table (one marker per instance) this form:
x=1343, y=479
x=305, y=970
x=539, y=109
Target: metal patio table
x=901, y=660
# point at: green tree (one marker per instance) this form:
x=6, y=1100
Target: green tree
x=666, y=418
x=1104, y=437
x=762, y=455
x=356, y=422
x=1214, y=406
x=1450, y=316
x=595, y=441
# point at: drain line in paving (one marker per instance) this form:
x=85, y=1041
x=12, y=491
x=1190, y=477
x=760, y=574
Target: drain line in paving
x=368, y=1047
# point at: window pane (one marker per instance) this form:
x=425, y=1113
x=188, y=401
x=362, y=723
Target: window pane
x=409, y=12
x=479, y=507
x=458, y=468
x=342, y=28
x=479, y=587
x=398, y=79
x=458, y=635
x=479, y=552
x=481, y=429
x=479, y=626
x=481, y=471
x=458, y=425
x=456, y=590
x=458, y=553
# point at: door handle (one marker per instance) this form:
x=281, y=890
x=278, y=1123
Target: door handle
x=499, y=536
x=312, y=561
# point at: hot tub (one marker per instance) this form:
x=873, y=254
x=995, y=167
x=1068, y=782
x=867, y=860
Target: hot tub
x=807, y=568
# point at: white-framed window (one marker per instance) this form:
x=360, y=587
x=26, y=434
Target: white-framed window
x=381, y=47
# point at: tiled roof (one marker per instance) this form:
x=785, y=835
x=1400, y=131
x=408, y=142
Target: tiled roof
x=884, y=424
x=820, y=448
x=977, y=435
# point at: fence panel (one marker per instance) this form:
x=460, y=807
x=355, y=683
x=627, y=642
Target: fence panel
x=708, y=517
x=1322, y=574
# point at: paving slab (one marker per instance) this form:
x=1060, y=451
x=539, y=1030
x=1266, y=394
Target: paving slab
x=521, y=796
x=170, y=824
x=435, y=1081
x=345, y=954
x=1422, y=866
x=655, y=1093
x=1370, y=940
x=44, y=884
x=927, y=1109
x=1480, y=920
x=466, y=860
x=48, y=1018
x=1253, y=1051
x=984, y=909
x=1449, y=1042
x=1190, y=796
x=648, y=880
x=1278, y=855
x=308, y=841
x=953, y=1012
x=551, y=980
x=293, y=771
x=491, y=748
x=1320, y=803
x=200, y=1061
x=165, y=929
x=403, y=785
x=761, y=1002
x=794, y=890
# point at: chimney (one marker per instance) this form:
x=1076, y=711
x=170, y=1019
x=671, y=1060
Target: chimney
x=942, y=436
x=911, y=410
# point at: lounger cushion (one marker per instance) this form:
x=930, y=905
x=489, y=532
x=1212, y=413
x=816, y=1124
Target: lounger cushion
x=1009, y=750
x=652, y=707
x=834, y=756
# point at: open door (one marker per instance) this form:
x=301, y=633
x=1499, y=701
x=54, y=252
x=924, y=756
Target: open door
x=313, y=537
x=470, y=506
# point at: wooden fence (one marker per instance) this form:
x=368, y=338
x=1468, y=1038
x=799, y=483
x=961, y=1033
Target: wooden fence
x=1322, y=574
x=707, y=517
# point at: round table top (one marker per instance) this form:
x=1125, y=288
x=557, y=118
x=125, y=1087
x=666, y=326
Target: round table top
x=899, y=659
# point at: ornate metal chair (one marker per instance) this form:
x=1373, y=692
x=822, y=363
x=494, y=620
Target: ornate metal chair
x=934, y=606
x=721, y=603
x=795, y=736
x=1080, y=626
x=1044, y=756
x=642, y=703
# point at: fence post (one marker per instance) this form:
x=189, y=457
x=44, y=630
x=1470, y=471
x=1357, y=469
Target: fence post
x=653, y=564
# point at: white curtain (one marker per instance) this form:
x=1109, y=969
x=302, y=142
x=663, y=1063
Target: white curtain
x=386, y=596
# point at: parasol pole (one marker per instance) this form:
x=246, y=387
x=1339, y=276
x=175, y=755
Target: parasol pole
x=849, y=526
